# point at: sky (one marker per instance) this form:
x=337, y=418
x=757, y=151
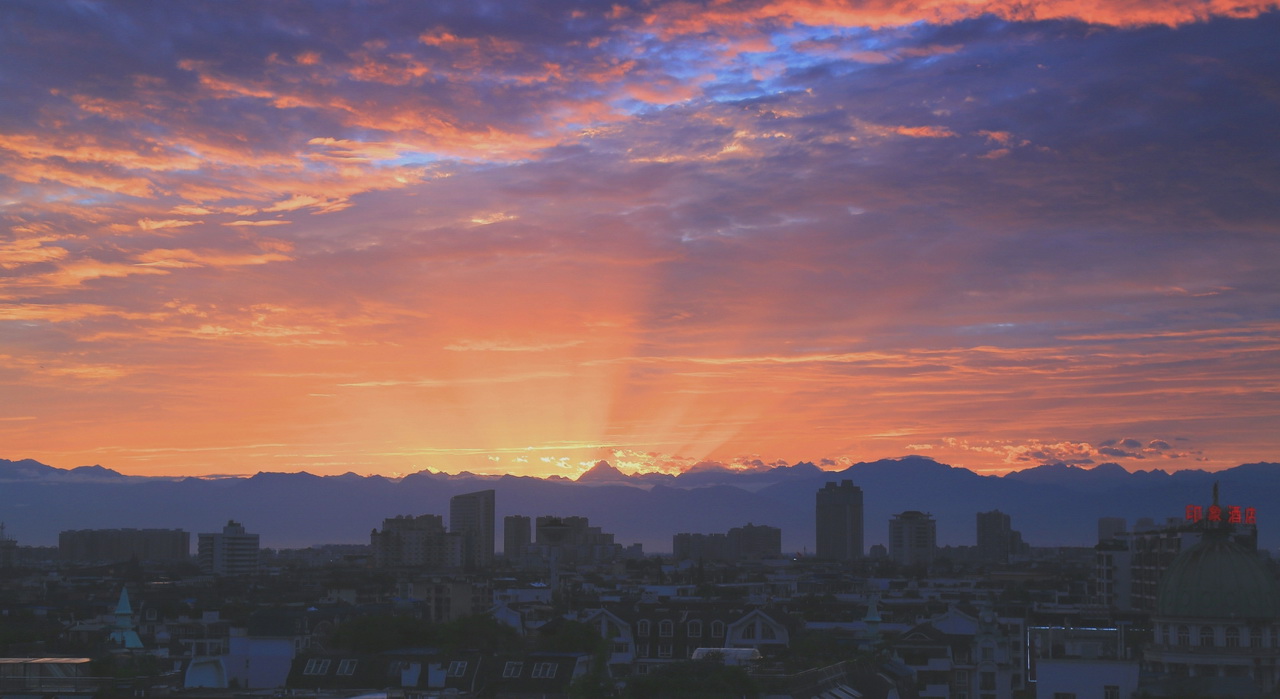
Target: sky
x=497, y=237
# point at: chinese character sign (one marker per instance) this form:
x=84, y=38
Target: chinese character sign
x=1233, y=514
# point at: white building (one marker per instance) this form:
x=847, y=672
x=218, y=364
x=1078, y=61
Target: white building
x=231, y=552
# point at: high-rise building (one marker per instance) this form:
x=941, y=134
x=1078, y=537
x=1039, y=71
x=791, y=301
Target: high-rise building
x=517, y=533
x=471, y=515
x=995, y=536
x=231, y=552
x=839, y=521
x=8, y=547
x=913, y=537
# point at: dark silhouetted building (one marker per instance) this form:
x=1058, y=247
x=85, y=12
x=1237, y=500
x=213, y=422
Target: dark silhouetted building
x=913, y=536
x=233, y=551
x=124, y=544
x=752, y=541
x=517, y=533
x=8, y=547
x=472, y=516
x=997, y=539
x=755, y=541
x=416, y=542
x=839, y=521
x=1110, y=528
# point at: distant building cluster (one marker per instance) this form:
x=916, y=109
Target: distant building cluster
x=560, y=541
x=752, y=541
x=1184, y=607
x=102, y=545
x=423, y=542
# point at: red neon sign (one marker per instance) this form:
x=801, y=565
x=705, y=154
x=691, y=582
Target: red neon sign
x=1234, y=514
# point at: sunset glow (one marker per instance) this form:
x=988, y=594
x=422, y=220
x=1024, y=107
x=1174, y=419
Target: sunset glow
x=524, y=237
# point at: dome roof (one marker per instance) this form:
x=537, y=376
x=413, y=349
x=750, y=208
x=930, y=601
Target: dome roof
x=1219, y=579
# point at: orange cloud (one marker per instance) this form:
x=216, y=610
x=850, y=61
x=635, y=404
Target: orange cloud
x=25, y=251
x=924, y=131
x=180, y=258
x=682, y=18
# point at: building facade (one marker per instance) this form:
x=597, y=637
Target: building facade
x=86, y=545
x=517, y=533
x=913, y=537
x=1216, y=623
x=994, y=536
x=472, y=516
x=839, y=522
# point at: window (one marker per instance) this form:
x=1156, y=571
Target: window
x=621, y=647
x=666, y=627
x=749, y=631
x=717, y=629
x=695, y=629
x=1206, y=636
x=664, y=650
x=544, y=671
x=988, y=654
x=962, y=678
x=1255, y=637
x=457, y=668
x=767, y=632
x=1111, y=691
x=642, y=650
x=986, y=680
x=316, y=666
x=642, y=627
x=347, y=667
x=512, y=669
x=1233, y=637
x=1184, y=636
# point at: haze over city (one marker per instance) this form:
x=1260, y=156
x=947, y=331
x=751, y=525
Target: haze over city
x=525, y=237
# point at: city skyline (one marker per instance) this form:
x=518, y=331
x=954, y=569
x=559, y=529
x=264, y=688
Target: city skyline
x=346, y=237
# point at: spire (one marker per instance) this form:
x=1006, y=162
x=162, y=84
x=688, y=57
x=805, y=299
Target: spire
x=123, y=608
x=872, y=619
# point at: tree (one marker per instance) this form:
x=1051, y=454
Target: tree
x=376, y=634
x=480, y=632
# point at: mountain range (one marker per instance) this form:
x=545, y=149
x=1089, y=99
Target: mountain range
x=1052, y=504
